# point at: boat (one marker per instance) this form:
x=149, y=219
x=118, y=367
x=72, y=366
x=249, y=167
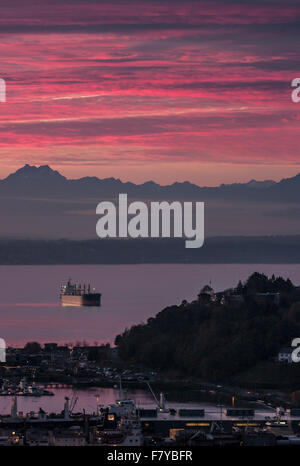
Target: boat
x=22, y=389
x=127, y=434
x=128, y=429
x=77, y=295
x=40, y=418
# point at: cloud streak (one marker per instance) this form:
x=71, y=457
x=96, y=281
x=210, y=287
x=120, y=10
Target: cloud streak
x=159, y=82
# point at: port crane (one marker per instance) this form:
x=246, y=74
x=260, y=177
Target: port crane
x=73, y=403
x=161, y=403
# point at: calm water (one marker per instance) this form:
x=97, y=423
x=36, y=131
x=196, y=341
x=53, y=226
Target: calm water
x=87, y=399
x=30, y=308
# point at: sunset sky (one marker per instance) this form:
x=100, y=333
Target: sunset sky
x=163, y=90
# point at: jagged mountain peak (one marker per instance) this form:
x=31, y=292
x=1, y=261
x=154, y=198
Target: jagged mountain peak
x=32, y=173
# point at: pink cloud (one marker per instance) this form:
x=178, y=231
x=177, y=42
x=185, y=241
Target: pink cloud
x=203, y=82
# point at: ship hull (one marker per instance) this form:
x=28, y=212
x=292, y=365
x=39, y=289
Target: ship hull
x=88, y=299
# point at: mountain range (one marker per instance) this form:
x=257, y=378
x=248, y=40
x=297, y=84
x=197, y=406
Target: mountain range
x=40, y=203
x=42, y=181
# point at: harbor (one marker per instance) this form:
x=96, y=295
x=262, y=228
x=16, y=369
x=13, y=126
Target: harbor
x=150, y=229
x=23, y=388
x=126, y=422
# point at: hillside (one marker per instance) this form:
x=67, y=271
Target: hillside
x=216, y=341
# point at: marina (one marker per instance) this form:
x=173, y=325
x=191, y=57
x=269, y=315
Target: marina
x=123, y=423
x=150, y=229
x=23, y=388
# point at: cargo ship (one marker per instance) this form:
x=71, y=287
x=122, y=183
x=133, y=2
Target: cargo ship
x=77, y=295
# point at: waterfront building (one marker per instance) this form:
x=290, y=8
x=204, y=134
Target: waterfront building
x=206, y=295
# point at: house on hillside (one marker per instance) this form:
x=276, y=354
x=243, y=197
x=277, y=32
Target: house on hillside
x=206, y=295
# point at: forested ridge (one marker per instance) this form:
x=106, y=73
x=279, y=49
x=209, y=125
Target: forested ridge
x=216, y=340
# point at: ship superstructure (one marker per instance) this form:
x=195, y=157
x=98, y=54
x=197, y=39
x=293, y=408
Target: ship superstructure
x=78, y=295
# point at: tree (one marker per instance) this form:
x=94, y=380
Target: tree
x=33, y=347
x=216, y=341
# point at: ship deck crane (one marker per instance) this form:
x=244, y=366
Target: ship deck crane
x=161, y=403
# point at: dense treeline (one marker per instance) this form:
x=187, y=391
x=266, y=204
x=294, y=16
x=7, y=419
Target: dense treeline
x=217, y=341
x=235, y=249
x=260, y=283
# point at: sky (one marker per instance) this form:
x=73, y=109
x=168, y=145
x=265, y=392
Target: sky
x=162, y=90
